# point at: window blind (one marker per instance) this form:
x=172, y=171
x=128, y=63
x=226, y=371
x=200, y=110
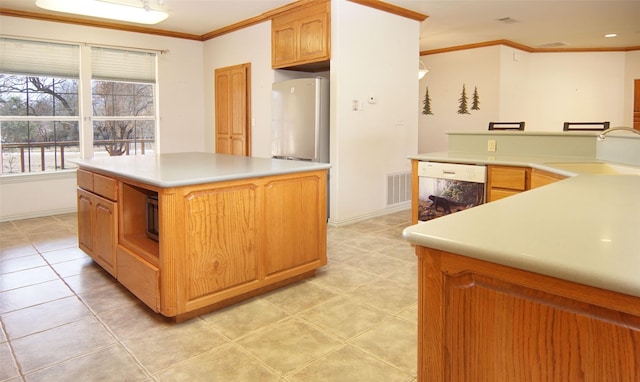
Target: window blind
x=38, y=58
x=122, y=65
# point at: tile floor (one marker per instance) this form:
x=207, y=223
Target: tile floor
x=64, y=319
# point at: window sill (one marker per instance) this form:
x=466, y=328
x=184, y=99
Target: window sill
x=37, y=177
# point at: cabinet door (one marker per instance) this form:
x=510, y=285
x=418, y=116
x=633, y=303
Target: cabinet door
x=85, y=221
x=295, y=216
x=313, y=41
x=283, y=51
x=106, y=236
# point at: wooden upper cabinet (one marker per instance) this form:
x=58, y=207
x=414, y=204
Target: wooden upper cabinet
x=302, y=37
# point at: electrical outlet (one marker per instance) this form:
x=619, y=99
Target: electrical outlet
x=491, y=145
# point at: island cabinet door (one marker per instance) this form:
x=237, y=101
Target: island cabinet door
x=220, y=258
x=295, y=219
x=479, y=321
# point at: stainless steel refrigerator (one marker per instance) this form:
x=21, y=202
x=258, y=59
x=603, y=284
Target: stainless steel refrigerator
x=300, y=119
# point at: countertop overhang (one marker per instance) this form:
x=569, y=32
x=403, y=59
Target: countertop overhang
x=583, y=229
x=183, y=169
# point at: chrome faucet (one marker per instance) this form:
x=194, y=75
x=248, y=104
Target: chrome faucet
x=607, y=131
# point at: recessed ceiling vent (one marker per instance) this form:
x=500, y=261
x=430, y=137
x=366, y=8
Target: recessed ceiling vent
x=553, y=45
x=507, y=20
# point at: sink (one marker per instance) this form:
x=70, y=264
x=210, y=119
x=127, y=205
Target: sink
x=597, y=168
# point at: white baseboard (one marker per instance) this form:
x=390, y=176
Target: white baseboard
x=389, y=210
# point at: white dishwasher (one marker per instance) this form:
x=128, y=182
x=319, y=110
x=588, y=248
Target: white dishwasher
x=445, y=188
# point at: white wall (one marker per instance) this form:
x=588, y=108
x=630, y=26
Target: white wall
x=542, y=89
x=181, y=119
x=367, y=145
x=448, y=72
x=248, y=45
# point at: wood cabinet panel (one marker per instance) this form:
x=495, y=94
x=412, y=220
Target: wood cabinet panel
x=514, y=178
x=140, y=277
x=301, y=36
x=503, y=181
x=293, y=208
x=105, y=234
x=97, y=224
x=105, y=186
x=541, y=178
x=221, y=244
x=85, y=221
x=483, y=321
x=85, y=179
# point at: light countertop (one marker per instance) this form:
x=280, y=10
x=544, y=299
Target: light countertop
x=182, y=169
x=583, y=229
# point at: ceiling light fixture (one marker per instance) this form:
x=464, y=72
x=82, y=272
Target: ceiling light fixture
x=106, y=10
x=422, y=70
x=610, y=35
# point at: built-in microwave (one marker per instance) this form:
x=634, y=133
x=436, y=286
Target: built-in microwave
x=153, y=227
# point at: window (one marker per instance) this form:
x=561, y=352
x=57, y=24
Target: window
x=39, y=119
x=40, y=114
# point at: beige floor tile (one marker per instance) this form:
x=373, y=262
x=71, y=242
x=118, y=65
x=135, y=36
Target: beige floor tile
x=21, y=263
x=406, y=275
x=366, y=226
x=65, y=254
x=288, y=344
x=410, y=314
x=105, y=299
x=13, y=247
x=32, y=295
x=376, y=263
x=53, y=240
x=349, y=364
x=27, y=277
x=342, y=253
x=394, y=341
x=297, y=297
x=59, y=344
x=161, y=348
x=245, y=317
x=38, y=225
x=8, y=367
x=387, y=295
x=45, y=316
x=75, y=267
x=340, y=278
x=133, y=320
x=344, y=317
x=224, y=364
x=111, y=364
x=85, y=283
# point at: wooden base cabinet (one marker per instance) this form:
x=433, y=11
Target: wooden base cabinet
x=98, y=219
x=218, y=243
x=479, y=321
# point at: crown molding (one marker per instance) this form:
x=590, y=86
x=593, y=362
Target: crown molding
x=525, y=48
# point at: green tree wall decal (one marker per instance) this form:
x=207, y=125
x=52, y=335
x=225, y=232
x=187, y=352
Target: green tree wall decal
x=475, y=101
x=426, y=109
x=462, y=102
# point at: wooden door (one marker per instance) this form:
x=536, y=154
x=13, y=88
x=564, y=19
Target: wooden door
x=636, y=104
x=233, y=111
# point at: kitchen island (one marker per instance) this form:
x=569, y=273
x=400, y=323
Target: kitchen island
x=189, y=233
x=539, y=286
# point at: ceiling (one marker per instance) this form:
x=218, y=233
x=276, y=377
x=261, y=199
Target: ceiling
x=567, y=24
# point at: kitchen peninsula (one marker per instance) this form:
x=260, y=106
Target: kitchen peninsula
x=193, y=232
x=539, y=286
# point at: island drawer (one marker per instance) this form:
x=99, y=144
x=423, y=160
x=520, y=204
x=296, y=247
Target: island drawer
x=513, y=178
x=98, y=184
x=141, y=278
